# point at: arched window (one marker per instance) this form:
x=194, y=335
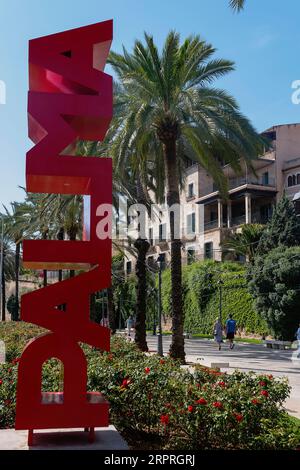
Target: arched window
x=294, y=180
x=298, y=178
x=290, y=181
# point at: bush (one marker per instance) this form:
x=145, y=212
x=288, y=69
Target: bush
x=157, y=404
x=274, y=283
x=201, y=297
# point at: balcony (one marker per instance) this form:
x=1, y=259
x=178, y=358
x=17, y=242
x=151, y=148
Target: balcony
x=234, y=183
x=240, y=220
x=211, y=225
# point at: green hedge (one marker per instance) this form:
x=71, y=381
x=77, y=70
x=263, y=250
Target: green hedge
x=201, y=297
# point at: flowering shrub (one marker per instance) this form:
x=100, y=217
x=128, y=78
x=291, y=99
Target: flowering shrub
x=155, y=400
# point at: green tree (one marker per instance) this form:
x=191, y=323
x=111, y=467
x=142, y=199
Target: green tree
x=8, y=271
x=245, y=242
x=275, y=286
x=16, y=224
x=167, y=110
x=283, y=229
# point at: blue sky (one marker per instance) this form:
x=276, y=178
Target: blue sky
x=263, y=41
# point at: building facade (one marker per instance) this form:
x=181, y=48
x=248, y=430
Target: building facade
x=206, y=219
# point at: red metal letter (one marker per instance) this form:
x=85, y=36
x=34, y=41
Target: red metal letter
x=70, y=98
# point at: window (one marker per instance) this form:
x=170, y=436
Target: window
x=191, y=190
x=293, y=180
x=162, y=232
x=190, y=255
x=265, y=178
x=151, y=236
x=128, y=267
x=208, y=250
x=191, y=223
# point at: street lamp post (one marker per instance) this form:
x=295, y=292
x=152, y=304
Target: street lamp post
x=220, y=282
x=1, y=266
x=159, y=336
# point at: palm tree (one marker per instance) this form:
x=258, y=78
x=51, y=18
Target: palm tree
x=245, y=242
x=16, y=224
x=167, y=110
x=237, y=5
x=8, y=271
x=130, y=179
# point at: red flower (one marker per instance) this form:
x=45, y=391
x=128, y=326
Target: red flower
x=125, y=383
x=147, y=370
x=262, y=383
x=217, y=404
x=9, y=371
x=110, y=357
x=162, y=361
x=198, y=385
x=238, y=417
x=255, y=401
x=264, y=393
x=221, y=384
x=168, y=405
x=1, y=382
x=7, y=402
x=202, y=401
x=190, y=408
x=150, y=396
x=164, y=419
x=270, y=377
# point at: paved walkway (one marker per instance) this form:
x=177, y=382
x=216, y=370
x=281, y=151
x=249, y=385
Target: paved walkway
x=245, y=357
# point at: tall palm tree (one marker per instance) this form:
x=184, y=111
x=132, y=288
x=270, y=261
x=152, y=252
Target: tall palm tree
x=168, y=111
x=129, y=179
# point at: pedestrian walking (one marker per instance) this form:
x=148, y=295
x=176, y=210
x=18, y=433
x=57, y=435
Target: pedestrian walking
x=218, y=332
x=129, y=325
x=230, y=329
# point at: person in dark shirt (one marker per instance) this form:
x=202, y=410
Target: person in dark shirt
x=230, y=329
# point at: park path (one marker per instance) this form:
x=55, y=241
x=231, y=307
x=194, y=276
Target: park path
x=244, y=357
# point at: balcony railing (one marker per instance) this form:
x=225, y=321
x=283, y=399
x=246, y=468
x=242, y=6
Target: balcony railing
x=210, y=225
x=234, y=183
x=241, y=219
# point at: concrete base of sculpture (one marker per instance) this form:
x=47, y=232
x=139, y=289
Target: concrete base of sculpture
x=63, y=439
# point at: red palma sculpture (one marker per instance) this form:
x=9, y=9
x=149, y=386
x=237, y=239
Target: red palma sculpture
x=70, y=99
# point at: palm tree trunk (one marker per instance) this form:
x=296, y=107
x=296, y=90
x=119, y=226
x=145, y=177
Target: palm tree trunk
x=45, y=273
x=177, y=345
x=17, y=271
x=111, y=310
x=142, y=247
x=60, y=236
x=3, y=317
x=93, y=311
x=72, y=236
